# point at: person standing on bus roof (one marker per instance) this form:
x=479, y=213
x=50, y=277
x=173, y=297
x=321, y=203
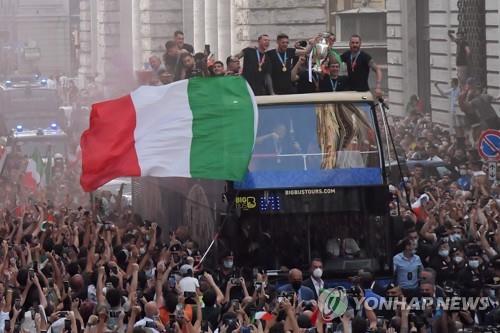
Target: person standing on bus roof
x=282, y=61
x=256, y=65
x=359, y=64
x=333, y=82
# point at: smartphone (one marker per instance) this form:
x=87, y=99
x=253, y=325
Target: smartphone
x=67, y=325
x=171, y=282
x=31, y=273
x=66, y=286
x=236, y=304
x=245, y=329
x=207, y=49
x=179, y=312
x=35, y=266
x=17, y=303
x=7, y=325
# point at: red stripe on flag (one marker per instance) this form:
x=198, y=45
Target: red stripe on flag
x=108, y=146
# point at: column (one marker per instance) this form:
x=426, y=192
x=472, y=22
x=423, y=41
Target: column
x=158, y=21
x=409, y=48
x=224, y=28
x=199, y=24
x=136, y=36
x=211, y=37
x=188, y=21
x=127, y=37
x=85, y=69
x=234, y=39
x=108, y=47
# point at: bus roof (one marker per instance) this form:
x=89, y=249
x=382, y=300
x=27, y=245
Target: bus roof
x=339, y=97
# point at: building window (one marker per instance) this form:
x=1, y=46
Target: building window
x=371, y=26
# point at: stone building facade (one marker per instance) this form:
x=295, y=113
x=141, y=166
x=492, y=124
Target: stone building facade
x=42, y=28
x=413, y=69
x=118, y=36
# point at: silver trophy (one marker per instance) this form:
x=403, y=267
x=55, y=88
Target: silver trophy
x=320, y=51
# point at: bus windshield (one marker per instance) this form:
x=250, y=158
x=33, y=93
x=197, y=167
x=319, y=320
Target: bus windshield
x=314, y=144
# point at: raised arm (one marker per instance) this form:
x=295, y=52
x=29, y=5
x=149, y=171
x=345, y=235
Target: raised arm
x=378, y=71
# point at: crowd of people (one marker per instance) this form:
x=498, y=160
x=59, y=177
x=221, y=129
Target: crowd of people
x=69, y=266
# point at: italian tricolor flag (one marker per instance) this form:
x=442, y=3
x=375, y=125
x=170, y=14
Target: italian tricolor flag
x=200, y=128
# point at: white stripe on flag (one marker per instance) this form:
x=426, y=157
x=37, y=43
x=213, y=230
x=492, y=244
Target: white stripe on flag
x=163, y=131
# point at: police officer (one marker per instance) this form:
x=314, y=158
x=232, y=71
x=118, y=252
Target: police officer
x=471, y=278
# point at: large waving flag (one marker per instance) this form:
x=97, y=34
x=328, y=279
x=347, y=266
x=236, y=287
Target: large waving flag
x=31, y=177
x=201, y=128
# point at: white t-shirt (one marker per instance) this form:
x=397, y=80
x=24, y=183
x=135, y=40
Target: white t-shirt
x=3, y=317
x=189, y=284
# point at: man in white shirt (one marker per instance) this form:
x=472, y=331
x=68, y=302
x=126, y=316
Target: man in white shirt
x=314, y=282
x=152, y=319
x=188, y=284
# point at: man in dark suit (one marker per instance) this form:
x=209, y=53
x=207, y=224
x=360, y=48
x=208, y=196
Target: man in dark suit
x=302, y=292
x=314, y=282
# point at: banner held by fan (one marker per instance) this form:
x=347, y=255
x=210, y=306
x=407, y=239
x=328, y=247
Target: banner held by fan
x=332, y=303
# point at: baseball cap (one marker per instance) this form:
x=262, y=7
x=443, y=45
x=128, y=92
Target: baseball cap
x=185, y=269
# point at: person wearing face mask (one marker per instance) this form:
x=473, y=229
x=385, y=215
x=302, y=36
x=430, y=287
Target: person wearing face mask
x=441, y=263
x=314, y=282
x=295, y=278
x=226, y=270
x=471, y=277
x=406, y=267
x=458, y=260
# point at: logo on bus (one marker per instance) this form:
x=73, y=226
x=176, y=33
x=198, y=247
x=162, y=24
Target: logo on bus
x=246, y=203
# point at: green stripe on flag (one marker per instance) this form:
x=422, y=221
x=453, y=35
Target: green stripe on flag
x=223, y=127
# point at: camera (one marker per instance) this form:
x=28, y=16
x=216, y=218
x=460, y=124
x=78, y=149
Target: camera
x=231, y=324
x=290, y=295
x=235, y=281
x=354, y=291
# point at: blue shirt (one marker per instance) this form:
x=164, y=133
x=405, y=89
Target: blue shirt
x=407, y=270
x=373, y=299
x=304, y=294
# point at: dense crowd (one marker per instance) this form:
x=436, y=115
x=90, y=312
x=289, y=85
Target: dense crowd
x=68, y=266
